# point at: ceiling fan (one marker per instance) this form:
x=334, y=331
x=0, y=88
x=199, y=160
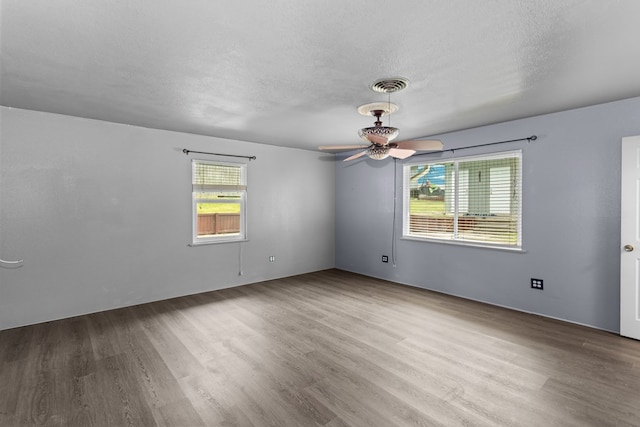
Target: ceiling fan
x=379, y=137
x=381, y=145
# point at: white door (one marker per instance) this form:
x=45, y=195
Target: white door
x=630, y=239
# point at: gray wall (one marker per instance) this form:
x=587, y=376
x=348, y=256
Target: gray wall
x=75, y=198
x=101, y=214
x=571, y=219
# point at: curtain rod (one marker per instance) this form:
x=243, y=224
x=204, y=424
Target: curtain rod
x=530, y=138
x=185, y=151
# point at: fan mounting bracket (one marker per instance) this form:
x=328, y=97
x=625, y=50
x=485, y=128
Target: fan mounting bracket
x=373, y=108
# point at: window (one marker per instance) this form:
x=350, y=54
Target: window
x=474, y=200
x=219, y=193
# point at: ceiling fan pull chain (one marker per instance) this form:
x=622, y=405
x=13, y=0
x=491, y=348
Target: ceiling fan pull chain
x=389, y=104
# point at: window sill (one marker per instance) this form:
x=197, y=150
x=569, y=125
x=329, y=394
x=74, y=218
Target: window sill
x=465, y=243
x=216, y=242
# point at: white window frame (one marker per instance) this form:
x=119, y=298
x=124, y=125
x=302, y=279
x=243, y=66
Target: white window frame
x=220, y=238
x=455, y=239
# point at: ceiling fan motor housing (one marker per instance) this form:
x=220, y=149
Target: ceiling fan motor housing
x=383, y=131
x=387, y=132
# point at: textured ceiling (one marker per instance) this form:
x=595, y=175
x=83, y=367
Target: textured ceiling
x=292, y=72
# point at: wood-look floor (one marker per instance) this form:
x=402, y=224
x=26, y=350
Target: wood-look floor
x=322, y=349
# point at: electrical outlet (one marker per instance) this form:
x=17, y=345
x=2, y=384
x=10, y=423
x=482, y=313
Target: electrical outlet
x=537, y=284
x=385, y=258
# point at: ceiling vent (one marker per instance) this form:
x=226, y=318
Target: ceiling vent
x=389, y=85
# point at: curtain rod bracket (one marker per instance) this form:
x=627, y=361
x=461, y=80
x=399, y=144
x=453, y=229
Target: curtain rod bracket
x=186, y=152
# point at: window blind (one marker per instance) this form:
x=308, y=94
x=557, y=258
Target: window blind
x=218, y=177
x=474, y=199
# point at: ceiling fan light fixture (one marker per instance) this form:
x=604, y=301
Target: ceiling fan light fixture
x=377, y=152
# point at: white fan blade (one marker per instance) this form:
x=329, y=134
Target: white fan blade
x=341, y=147
x=377, y=139
x=401, y=153
x=421, y=145
x=355, y=156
